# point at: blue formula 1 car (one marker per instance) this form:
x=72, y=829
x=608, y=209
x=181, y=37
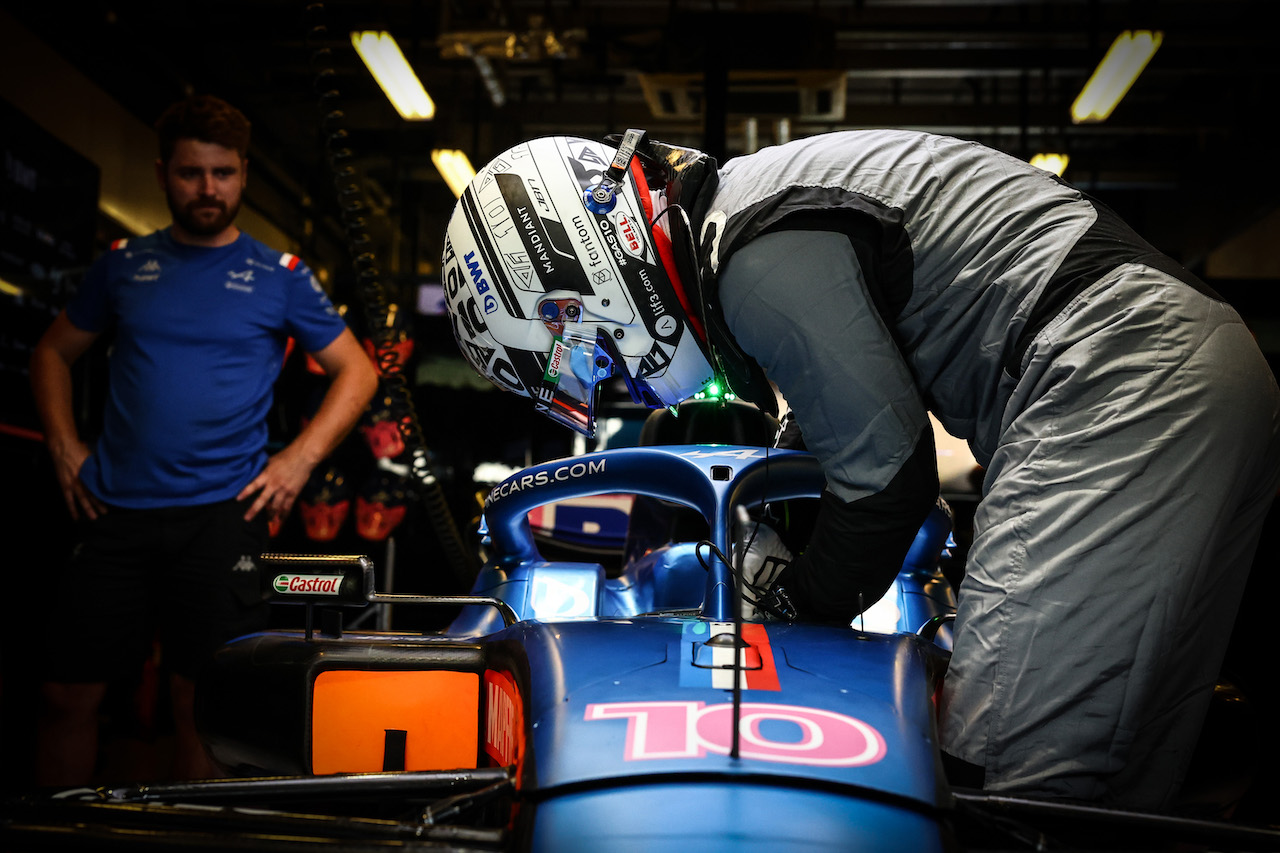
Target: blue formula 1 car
x=574, y=705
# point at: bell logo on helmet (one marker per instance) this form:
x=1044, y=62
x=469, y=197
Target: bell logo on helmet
x=628, y=235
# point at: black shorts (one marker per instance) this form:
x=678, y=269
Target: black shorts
x=186, y=576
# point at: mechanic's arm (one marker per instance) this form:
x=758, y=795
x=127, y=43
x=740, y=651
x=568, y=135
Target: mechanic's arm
x=58, y=349
x=352, y=383
x=798, y=302
x=858, y=547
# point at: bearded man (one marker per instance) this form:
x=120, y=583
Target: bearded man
x=174, y=495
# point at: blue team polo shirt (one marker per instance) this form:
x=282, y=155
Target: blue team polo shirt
x=200, y=338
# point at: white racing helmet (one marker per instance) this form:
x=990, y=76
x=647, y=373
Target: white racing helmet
x=557, y=278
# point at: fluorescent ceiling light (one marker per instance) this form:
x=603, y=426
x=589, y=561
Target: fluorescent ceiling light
x=388, y=66
x=454, y=167
x=1124, y=61
x=1056, y=163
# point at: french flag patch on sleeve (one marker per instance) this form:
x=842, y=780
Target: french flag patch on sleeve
x=119, y=244
x=290, y=261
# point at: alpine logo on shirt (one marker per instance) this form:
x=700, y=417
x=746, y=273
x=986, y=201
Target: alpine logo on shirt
x=240, y=281
x=150, y=271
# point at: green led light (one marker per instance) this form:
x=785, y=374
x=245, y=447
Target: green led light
x=714, y=391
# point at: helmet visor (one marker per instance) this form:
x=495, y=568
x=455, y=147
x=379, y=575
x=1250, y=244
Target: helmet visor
x=578, y=362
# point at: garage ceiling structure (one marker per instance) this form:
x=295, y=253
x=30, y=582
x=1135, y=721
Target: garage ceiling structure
x=1184, y=158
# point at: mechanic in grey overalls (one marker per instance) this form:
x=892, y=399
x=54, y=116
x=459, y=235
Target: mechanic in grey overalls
x=1124, y=415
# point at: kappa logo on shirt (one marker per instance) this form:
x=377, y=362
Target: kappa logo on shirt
x=240, y=281
x=150, y=271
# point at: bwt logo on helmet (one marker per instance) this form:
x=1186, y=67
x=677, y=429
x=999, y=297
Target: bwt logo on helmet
x=481, y=285
x=307, y=584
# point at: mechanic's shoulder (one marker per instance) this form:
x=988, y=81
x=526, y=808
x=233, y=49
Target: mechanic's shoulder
x=273, y=259
x=152, y=242
x=125, y=253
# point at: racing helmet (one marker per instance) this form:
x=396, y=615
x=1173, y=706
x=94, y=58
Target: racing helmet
x=568, y=262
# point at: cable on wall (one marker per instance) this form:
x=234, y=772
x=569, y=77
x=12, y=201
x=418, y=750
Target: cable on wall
x=375, y=304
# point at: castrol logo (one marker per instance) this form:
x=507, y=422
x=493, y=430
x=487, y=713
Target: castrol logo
x=556, y=358
x=308, y=584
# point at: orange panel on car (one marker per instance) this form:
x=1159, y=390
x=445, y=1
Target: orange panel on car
x=351, y=711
